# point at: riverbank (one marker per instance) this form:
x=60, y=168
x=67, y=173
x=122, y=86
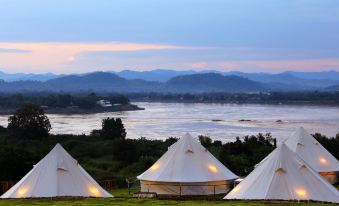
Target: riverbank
x=78, y=110
x=265, y=98
x=282, y=103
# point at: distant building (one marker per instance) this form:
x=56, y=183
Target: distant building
x=44, y=107
x=104, y=103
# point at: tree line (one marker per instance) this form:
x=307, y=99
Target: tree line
x=59, y=100
x=307, y=97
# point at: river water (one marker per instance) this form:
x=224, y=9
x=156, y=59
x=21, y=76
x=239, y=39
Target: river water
x=219, y=121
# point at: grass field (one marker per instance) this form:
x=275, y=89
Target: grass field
x=122, y=198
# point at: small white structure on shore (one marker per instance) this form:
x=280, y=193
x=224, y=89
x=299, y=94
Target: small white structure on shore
x=104, y=103
x=314, y=154
x=283, y=175
x=187, y=168
x=56, y=175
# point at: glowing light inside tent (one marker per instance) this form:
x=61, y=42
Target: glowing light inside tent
x=301, y=193
x=236, y=189
x=93, y=190
x=22, y=191
x=323, y=160
x=155, y=166
x=213, y=168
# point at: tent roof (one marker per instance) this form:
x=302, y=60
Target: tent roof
x=312, y=152
x=187, y=161
x=284, y=176
x=57, y=174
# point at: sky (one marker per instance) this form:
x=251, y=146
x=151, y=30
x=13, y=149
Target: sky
x=77, y=36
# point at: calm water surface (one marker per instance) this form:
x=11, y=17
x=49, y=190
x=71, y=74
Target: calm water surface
x=161, y=120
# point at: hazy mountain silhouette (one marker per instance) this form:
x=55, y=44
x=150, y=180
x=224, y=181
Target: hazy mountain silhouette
x=109, y=82
x=178, y=81
x=286, y=80
x=212, y=82
x=27, y=77
x=334, y=88
x=159, y=75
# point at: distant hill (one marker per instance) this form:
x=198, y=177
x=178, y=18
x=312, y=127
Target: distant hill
x=158, y=75
x=285, y=81
x=21, y=86
x=27, y=76
x=334, y=88
x=325, y=75
x=212, y=82
x=290, y=80
x=185, y=81
x=99, y=81
x=109, y=82
x=282, y=81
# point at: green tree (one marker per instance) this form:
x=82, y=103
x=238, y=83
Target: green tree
x=206, y=141
x=29, y=122
x=113, y=128
x=171, y=140
x=16, y=163
x=2, y=129
x=241, y=156
x=125, y=151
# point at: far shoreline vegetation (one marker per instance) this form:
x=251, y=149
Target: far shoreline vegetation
x=65, y=103
x=89, y=102
x=108, y=155
x=270, y=98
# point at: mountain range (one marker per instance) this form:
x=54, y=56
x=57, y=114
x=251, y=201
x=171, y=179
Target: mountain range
x=10, y=77
x=326, y=78
x=170, y=81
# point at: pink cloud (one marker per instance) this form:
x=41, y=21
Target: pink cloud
x=64, y=57
x=53, y=55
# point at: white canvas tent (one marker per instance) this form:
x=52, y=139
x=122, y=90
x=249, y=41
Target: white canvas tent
x=284, y=176
x=57, y=174
x=314, y=154
x=187, y=168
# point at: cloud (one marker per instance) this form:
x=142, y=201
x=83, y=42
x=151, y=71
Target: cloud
x=52, y=55
x=69, y=57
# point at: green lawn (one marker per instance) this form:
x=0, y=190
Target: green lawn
x=122, y=198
